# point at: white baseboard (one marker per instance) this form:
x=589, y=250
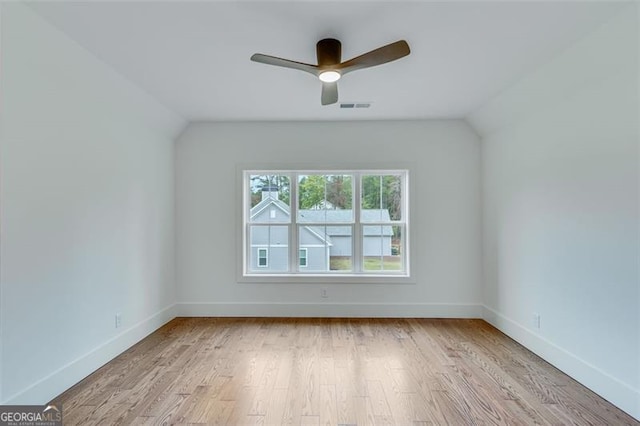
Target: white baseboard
x=47, y=388
x=330, y=310
x=613, y=390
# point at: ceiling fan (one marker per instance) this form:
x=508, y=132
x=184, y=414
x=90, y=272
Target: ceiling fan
x=330, y=68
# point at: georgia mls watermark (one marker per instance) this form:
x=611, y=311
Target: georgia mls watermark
x=31, y=415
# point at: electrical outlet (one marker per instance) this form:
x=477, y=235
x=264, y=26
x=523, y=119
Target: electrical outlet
x=535, y=320
x=323, y=293
x=118, y=320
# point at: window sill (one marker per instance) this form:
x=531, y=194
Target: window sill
x=326, y=279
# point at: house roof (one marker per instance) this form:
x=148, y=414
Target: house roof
x=342, y=216
x=332, y=216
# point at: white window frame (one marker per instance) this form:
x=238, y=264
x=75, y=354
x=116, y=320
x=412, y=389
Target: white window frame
x=295, y=274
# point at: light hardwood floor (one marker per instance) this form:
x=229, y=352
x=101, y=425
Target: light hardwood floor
x=269, y=371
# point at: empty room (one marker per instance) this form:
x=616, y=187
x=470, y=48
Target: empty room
x=312, y=212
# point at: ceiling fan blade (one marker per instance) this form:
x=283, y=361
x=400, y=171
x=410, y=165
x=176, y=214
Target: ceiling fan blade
x=272, y=60
x=329, y=93
x=379, y=56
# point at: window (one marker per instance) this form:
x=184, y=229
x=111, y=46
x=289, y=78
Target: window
x=263, y=258
x=303, y=257
x=323, y=223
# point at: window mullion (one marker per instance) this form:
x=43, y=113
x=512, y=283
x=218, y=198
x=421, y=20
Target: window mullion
x=246, y=214
x=356, y=226
x=293, y=224
x=404, y=188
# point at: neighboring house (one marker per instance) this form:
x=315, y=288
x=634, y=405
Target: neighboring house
x=270, y=245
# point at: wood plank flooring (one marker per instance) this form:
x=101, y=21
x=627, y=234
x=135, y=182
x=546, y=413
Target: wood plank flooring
x=266, y=371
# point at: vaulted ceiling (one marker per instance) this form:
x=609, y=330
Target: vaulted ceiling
x=193, y=57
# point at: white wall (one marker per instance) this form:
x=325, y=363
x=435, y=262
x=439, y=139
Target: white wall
x=443, y=157
x=86, y=198
x=561, y=211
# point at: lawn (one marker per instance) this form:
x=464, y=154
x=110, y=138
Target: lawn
x=371, y=263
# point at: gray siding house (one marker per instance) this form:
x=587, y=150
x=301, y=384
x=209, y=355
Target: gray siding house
x=270, y=244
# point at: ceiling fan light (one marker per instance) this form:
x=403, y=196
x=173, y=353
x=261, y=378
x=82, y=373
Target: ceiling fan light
x=329, y=76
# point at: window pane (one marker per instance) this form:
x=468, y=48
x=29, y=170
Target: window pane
x=328, y=248
x=325, y=198
x=302, y=256
x=270, y=198
x=381, y=198
x=382, y=248
x=269, y=248
x=341, y=250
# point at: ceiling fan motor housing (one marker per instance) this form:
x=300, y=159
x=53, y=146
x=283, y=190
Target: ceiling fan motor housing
x=328, y=52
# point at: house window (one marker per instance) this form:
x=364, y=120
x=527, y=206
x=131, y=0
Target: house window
x=302, y=254
x=323, y=223
x=263, y=258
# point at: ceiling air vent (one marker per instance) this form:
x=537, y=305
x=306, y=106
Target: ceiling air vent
x=355, y=105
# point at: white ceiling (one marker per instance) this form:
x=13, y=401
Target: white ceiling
x=194, y=56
